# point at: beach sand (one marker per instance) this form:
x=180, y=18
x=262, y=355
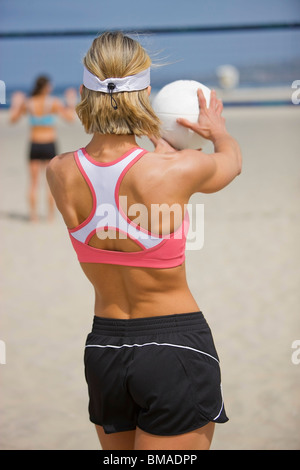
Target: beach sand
x=245, y=279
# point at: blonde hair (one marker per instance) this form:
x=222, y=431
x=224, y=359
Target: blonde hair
x=116, y=55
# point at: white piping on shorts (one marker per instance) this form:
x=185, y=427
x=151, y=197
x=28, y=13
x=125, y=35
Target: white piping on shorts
x=160, y=344
x=222, y=406
x=149, y=344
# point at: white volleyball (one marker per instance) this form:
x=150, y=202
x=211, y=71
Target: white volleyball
x=179, y=99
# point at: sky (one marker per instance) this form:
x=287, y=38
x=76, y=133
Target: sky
x=188, y=55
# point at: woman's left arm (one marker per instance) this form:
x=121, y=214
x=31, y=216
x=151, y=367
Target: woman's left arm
x=66, y=112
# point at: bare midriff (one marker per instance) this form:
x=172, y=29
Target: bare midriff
x=132, y=292
x=42, y=134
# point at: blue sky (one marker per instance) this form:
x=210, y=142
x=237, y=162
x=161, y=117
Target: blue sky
x=190, y=55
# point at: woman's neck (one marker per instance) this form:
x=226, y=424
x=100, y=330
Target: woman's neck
x=108, y=147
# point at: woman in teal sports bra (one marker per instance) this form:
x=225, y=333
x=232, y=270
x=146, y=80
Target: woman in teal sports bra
x=42, y=109
x=151, y=367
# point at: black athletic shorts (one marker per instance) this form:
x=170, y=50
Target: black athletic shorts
x=42, y=151
x=160, y=374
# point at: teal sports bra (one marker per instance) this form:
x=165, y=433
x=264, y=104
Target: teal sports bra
x=47, y=119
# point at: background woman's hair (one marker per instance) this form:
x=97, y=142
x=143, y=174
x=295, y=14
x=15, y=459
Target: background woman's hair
x=39, y=84
x=114, y=55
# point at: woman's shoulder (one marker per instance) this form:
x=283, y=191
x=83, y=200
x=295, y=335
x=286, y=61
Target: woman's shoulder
x=61, y=166
x=179, y=171
x=176, y=161
x=62, y=159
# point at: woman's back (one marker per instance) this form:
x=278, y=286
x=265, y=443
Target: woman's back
x=126, y=291
x=40, y=110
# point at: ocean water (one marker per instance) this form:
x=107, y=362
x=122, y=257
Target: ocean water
x=262, y=58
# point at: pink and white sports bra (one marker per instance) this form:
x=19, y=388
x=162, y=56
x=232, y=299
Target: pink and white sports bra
x=104, y=179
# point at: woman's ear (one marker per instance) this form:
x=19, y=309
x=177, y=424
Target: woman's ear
x=149, y=90
x=80, y=89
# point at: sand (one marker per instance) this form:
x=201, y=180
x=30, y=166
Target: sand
x=245, y=279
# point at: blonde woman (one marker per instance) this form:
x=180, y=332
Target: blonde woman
x=42, y=108
x=151, y=366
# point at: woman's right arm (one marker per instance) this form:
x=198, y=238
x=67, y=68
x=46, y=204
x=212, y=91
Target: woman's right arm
x=209, y=173
x=195, y=171
x=18, y=106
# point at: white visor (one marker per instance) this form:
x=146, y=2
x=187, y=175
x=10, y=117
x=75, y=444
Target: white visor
x=140, y=81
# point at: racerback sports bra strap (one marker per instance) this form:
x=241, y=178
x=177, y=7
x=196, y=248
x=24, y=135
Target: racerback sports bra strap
x=104, y=180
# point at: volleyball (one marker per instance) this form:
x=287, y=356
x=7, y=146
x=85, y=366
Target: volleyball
x=179, y=100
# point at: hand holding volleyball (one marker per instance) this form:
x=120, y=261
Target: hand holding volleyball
x=190, y=114
x=210, y=122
